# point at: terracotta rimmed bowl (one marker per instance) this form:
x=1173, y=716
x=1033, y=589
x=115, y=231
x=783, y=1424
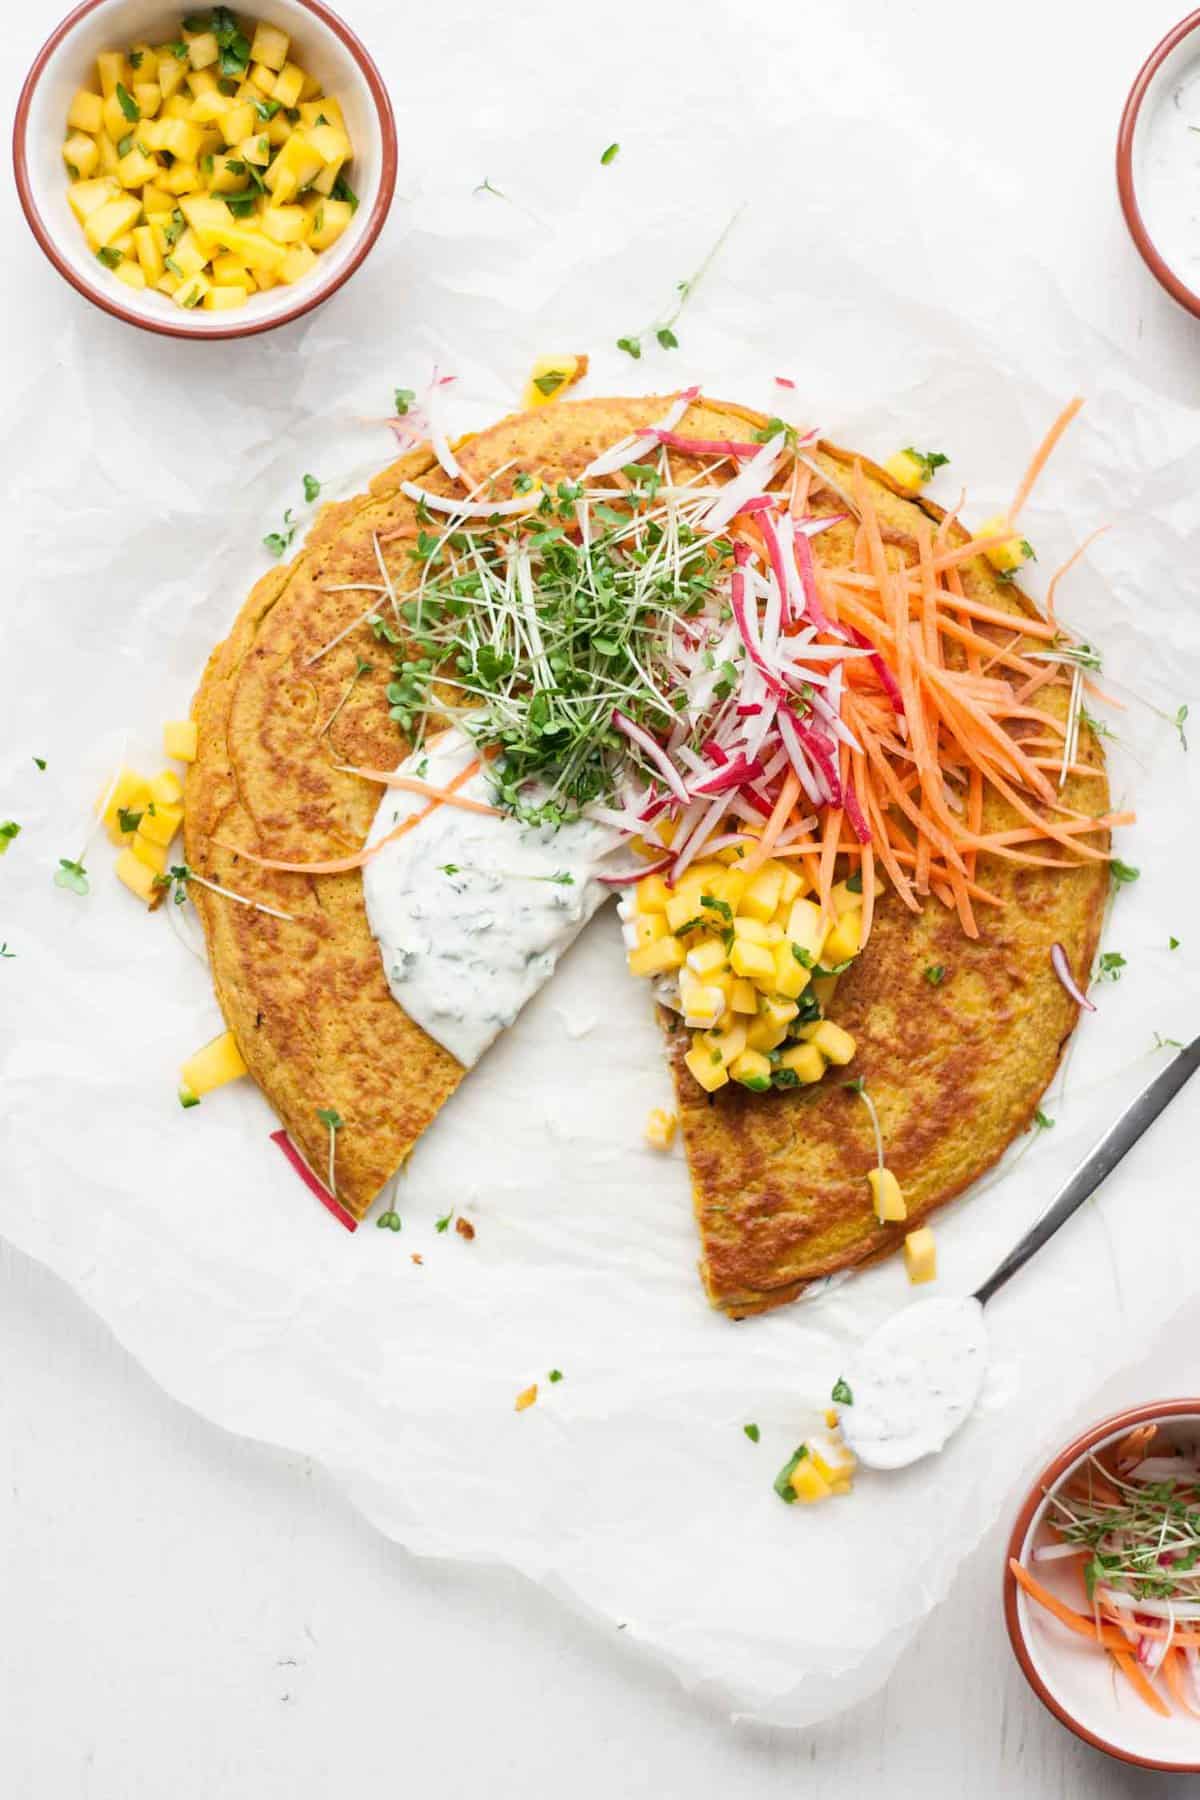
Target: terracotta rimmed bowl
x=67, y=61
x=1142, y=141
x=1071, y=1677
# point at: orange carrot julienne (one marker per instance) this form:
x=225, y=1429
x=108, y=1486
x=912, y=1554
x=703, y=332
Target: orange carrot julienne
x=1066, y=1615
x=1145, y=1689
x=410, y=784
x=1041, y=456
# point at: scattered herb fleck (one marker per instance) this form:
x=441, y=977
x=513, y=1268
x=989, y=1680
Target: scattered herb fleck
x=128, y=104
x=930, y=460
x=609, y=155
x=128, y=818
x=1043, y=1121
x=841, y=1394
x=555, y=1375
x=403, y=399
x=935, y=974
x=783, y=1481
x=6, y=953
x=443, y=1224
x=9, y=829
x=1110, y=966
x=40, y=761
x=752, y=1432
x=1172, y=943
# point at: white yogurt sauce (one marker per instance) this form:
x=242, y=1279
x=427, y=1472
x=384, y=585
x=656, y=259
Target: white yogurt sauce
x=472, y=912
x=1167, y=174
x=914, y=1382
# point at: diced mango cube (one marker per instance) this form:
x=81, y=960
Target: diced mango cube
x=706, y=957
x=744, y=996
x=130, y=273
x=297, y=263
x=661, y=1127
x=135, y=169
x=752, y=960
x=147, y=851
x=161, y=825
x=203, y=49
x=805, y=1062
x=284, y=224
x=227, y=296
x=180, y=738
x=263, y=77
x=683, y=905
x=170, y=74
x=920, y=1255
x=753, y=1070
x=256, y=149
x=112, y=67
x=329, y=219
x=762, y=894
x=269, y=45
x=806, y=927
x=137, y=877
x=189, y=255
x=117, y=124
x=192, y=292
x=1008, y=554
x=181, y=138
x=129, y=793
x=82, y=155
x=703, y=1005
x=237, y=122
x=85, y=197
x=288, y=84
x=751, y=931
x=844, y=940
x=218, y=1062
x=148, y=95
x=886, y=1194
x=326, y=110
x=149, y=254
x=166, y=789
x=330, y=144
x=293, y=168
x=807, y=1482
x=86, y=113
x=657, y=959
x=907, y=470
x=835, y=1044
x=111, y=220
x=792, y=885
x=707, y=1069
x=765, y=1034
x=181, y=178
x=652, y=894
x=791, y=976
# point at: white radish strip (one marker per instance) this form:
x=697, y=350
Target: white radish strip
x=1164, y=1468
x=624, y=877
x=650, y=748
x=1056, y=1552
x=437, y=436
x=466, y=509
x=701, y=835
x=827, y=480
x=1154, y=1609
x=808, y=778
x=752, y=480
x=811, y=528
x=638, y=444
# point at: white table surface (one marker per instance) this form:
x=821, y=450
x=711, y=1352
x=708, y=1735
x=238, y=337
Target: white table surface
x=185, y=1614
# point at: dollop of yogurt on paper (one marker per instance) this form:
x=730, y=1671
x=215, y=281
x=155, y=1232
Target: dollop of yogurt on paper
x=473, y=911
x=914, y=1381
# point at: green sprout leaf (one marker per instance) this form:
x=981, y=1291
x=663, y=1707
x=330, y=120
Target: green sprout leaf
x=841, y=1395
x=71, y=875
x=609, y=155
x=752, y=1432
x=783, y=1481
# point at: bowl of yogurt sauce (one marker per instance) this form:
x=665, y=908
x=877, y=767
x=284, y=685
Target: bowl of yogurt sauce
x=1158, y=162
x=1069, y=1676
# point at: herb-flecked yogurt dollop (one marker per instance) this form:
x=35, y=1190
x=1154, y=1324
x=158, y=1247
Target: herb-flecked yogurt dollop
x=471, y=911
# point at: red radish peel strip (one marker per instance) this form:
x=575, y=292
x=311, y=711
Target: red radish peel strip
x=310, y=1181
x=1062, y=969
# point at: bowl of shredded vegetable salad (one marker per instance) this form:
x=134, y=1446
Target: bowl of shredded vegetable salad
x=1102, y=1586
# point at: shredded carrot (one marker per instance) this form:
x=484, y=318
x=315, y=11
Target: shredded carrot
x=1128, y=1666
x=1041, y=456
x=1066, y=1615
x=788, y=795
x=409, y=784
x=1173, y=1665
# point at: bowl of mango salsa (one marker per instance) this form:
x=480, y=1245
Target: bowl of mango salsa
x=205, y=173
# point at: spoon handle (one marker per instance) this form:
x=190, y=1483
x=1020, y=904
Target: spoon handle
x=1095, y=1168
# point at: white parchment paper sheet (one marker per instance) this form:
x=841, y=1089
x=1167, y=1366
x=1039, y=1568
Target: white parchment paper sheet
x=870, y=265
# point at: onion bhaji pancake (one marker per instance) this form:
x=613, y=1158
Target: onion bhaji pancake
x=957, y=1037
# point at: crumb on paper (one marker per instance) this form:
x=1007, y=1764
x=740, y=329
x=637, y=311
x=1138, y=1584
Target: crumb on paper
x=526, y=1398
x=464, y=1228
x=418, y=1258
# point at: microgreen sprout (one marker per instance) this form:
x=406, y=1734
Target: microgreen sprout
x=333, y=1120
x=72, y=876
x=661, y=329
x=9, y=829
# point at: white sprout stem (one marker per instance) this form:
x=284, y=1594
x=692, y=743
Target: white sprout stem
x=332, y=1158
x=241, y=899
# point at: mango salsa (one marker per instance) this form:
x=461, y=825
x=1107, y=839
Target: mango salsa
x=210, y=167
x=746, y=959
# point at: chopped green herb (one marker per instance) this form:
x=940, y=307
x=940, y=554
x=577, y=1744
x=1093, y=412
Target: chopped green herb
x=329, y=1116
x=170, y=263
x=40, y=761
x=1043, y=1121
x=443, y=1224
x=550, y=382
x=343, y=191
x=449, y=868
x=1122, y=872
x=136, y=59
x=854, y=882
x=555, y=1375
x=241, y=206
x=128, y=104
x=71, y=875
x=783, y=1481
x=1173, y=943
x=125, y=144
x=403, y=399
x=772, y=429
x=804, y=957
x=935, y=974
x=128, y=819
x=752, y=1432
x=108, y=256
x=930, y=460
x=9, y=829
x=266, y=109
x=841, y=1395
x=6, y=953
x=667, y=338
x=609, y=155
x=632, y=346
x=1111, y=964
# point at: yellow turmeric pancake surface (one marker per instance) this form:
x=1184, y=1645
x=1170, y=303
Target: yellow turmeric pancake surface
x=955, y=1066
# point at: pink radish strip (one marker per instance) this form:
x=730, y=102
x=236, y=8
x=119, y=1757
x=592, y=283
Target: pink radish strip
x=733, y=774
x=887, y=680
x=783, y=381
x=804, y=773
x=808, y=581
x=1062, y=968
x=778, y=567
x=745, y=624
x=752, y=480
x=634, y=447
x=855, y=814
x=437, y=436
x=653, y=750
x=625, y=876
x=704, y=446
x=310, y=1181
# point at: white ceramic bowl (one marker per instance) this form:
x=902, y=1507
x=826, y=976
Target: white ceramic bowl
x=1071, y=1677
x=323, y=44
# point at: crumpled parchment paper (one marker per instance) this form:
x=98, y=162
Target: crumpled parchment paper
x=139, y=478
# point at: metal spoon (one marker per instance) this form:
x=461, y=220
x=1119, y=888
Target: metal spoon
x=917, y=1377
